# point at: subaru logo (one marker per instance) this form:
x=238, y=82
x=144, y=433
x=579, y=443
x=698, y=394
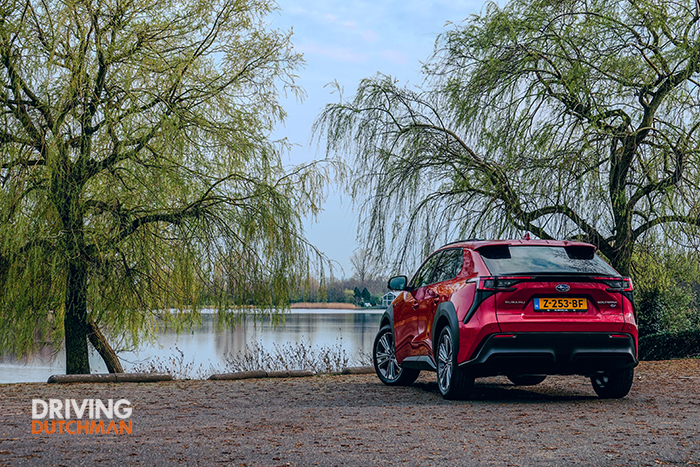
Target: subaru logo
x=562, y=288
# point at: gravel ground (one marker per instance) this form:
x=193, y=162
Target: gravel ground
x=357, y=421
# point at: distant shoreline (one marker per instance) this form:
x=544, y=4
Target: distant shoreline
x=324, y=306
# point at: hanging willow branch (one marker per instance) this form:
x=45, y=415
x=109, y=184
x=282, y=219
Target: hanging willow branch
x=573, y=119
x=137, y=170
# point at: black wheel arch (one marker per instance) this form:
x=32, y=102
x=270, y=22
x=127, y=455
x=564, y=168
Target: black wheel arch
x=445, y=315
x=387, y=318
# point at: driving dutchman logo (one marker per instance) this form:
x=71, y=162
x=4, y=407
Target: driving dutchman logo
x=90, y=417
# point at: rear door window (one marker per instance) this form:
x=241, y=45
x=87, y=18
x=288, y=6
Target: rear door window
x=449, y=266
x=423, y=275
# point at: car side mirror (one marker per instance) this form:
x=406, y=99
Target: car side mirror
x=398, y=283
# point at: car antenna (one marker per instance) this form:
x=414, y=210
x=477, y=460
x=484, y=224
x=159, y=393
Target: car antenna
x=527, y=236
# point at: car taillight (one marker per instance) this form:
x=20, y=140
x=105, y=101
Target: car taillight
x=622, y=285
x=500, y=283
x=627, y=284
x=616, y=284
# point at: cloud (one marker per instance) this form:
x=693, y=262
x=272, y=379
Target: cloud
x=369, y=36
x=395, y=56
x=341, y=54
x=333, y=19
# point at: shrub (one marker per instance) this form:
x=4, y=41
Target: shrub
x=666, y=284
x=176, y=366
x=290, y=356
x=668, y=345
x=287, y=356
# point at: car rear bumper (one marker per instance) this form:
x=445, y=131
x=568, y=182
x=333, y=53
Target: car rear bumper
x=552, y=353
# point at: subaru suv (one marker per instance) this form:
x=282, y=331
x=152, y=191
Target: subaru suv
x=520, y=308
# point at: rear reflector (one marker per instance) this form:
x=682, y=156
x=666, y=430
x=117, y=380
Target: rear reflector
x=499, y=336
x=619, y=336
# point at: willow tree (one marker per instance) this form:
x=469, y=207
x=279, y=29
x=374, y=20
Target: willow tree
x=138, y=169
x=567, y=119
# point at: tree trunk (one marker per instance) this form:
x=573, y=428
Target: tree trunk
x=622, y=260
x=75, y=320
x=100, y=343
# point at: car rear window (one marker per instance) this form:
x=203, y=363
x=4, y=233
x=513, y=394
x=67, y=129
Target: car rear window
x=576, y=259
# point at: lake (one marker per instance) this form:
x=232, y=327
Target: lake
x=204, y=347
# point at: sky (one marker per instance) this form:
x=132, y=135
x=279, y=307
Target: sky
x=346, y=41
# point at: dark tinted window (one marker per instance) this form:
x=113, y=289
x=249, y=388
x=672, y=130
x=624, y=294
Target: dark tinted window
x=422, y=277
x=504, y=259
x=449, y=266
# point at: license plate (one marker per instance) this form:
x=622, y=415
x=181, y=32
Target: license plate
x=561, y=304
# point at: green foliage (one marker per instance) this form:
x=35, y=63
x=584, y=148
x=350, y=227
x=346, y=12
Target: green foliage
x=349, y=296
x=137, y=174
x=571, y=119
x=670, y=344
x=366, y=296
x=665, y=290
x=336, y=290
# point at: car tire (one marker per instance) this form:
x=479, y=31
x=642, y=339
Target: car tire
x=526, y=380
x=613, y=384
x=385, y=364
x=452, y=382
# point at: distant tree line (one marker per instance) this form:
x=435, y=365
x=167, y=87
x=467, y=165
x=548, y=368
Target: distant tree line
x=334, y=290
x=367, y=284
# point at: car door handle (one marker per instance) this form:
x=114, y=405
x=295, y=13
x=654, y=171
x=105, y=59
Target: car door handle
x=434, y=296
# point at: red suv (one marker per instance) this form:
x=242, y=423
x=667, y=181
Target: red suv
x=521, y=308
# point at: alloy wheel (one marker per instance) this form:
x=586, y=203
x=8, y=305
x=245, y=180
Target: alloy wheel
x=444, y=364
x=385, y=354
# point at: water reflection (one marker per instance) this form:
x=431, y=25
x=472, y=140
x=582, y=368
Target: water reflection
x=206, y=347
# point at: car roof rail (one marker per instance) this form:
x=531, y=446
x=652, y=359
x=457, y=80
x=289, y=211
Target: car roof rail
x=463, y=241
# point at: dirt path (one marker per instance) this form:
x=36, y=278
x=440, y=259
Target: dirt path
x=357, y=421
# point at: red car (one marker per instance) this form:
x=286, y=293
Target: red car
x=521, y=308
